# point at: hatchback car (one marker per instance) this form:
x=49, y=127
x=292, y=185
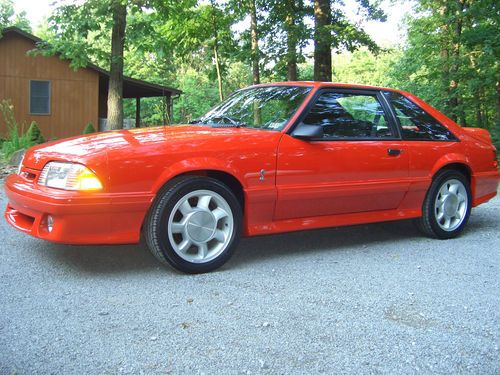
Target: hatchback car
x=270, y=158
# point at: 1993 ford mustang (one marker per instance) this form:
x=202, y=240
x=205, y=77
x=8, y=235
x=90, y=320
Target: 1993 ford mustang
x=271, y=158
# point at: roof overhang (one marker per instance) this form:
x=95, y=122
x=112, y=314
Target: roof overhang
x=132, y=88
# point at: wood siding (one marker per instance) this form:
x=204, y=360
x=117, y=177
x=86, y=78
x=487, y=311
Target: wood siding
x=74, y=94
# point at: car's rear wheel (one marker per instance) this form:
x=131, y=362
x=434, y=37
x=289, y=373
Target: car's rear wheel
x=447, y=206
x=194, y=224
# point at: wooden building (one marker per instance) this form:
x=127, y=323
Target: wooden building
x=60, y=99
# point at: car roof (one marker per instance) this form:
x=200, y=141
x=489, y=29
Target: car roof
x=326, y=84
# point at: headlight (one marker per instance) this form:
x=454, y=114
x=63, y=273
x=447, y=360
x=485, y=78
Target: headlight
x=68, y=176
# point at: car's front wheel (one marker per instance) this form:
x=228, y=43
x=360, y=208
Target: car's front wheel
x=447, y=206
x=194, y=224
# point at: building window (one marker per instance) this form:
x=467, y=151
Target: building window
x=40, y=97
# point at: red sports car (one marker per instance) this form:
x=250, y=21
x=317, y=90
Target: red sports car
x=271, y=158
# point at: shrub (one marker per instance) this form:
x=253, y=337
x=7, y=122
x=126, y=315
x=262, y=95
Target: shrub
x=89, y=129
x=34, y=134
x=14, y=141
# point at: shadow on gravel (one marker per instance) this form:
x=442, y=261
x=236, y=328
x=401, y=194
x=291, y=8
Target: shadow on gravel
x=137, y=258
x=100, y=259
x=356, y=238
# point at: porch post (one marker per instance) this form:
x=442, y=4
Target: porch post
x=137, y=112
x=168, y=103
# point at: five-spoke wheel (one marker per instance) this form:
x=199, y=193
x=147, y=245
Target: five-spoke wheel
x=451, y=204
x=194, y=224
x=200, y=226
x=447, y=205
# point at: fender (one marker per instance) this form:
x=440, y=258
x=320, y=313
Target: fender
x=193, y=165
x=451, y=158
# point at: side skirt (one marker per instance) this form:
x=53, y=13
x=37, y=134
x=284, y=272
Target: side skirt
x=292, y=225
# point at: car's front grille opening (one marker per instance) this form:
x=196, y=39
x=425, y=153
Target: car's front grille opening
x=19, y=220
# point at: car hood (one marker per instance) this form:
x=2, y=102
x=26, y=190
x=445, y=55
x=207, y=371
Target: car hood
x=84, y=149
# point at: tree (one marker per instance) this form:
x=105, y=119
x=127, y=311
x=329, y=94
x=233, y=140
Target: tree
x=81, y=33
x=322, y=41
x=8, y=16
x=291, y=39
x=115, y=90
x=215, y=31
x=284, y=34
x=249, y=39
x=255, y=42
x=202, y=35
x=365, y=67
x=452, y=59
x=332, y=29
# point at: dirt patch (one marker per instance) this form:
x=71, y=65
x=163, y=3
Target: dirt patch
x=408, y=315
x=6, y=169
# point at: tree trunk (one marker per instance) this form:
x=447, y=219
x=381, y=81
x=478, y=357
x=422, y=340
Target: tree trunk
x=479, y=116
x=219, y=77
x=255, y=43
x=137, y=112
x=291, y=42
x=255, y=59
x=322, y=41
x=455, y=99
x=496, y=124
x=445, y=74
x=445, y=58
x=115, y=90
x=216, y=50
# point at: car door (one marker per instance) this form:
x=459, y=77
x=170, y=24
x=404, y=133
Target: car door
x=360, y=163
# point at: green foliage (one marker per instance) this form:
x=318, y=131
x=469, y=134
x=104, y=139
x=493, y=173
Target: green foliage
x=14, y=141
x=452, y=59
x=364, y=67
x=80, y=33
x=89, y=129
x=201, y=96
x=34, y=134
x=8, y=16
x=172, y=43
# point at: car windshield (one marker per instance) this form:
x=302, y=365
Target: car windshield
x=265, y=107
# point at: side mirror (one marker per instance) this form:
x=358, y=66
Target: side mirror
x=308, y=132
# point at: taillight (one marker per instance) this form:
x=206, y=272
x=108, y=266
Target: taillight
x=495, y=160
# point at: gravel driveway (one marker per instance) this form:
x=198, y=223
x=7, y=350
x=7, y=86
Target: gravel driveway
x=367, y=299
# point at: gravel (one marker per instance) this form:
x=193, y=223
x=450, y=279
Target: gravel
x=367, y=299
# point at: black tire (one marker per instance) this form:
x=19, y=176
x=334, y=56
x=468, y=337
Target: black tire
x=159, y=224
x=429, y=223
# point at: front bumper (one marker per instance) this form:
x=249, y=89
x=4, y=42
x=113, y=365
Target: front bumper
x=78, y=217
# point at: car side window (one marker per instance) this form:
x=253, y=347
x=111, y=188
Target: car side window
x=415, y=123
x=349, y=115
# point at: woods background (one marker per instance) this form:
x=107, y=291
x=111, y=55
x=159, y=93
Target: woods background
x=210, y=48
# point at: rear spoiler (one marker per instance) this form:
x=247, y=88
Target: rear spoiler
x=479, y=134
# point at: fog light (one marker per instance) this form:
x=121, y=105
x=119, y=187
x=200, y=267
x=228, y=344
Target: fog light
x=49, y=223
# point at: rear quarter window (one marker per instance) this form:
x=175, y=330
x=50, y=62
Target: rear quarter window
x=415, y=123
